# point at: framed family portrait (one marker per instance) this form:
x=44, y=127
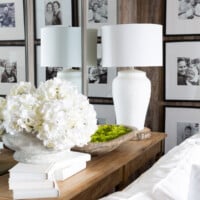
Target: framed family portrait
x=105, y=113
x=180, y=124
x=12, y=67
x=44, y=73
x=50, y=12
x=12, y=20
x=100, y=78
x=182, y=17
x=182, y=70
x=101, y=12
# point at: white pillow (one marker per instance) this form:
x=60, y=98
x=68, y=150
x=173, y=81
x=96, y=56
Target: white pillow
x=194, y=186
x=174, y=186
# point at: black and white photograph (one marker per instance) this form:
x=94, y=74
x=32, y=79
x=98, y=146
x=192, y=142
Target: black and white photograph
x=8, y=71
x=101, y=12
x=98, y=11
x=12, y=20
x=100, y=78
x=105, y=113
x=189, y=9
x=7, y=14
x=186, y=130
x=188, y=71
x=52, y=12
x=182, y=17
x=98, y=74
x=51, y=72
x=180, y=124
x=182, y=70
x=12, y=67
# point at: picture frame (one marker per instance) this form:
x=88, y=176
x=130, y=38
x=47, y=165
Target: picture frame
x=101, y=12
x=43, y=18
x=182, y=70
x=43, y=73
x=12, y=26
x=180, y=123
x=100, y=78
x=105, y=113
x=182, y=18
x=12, y=67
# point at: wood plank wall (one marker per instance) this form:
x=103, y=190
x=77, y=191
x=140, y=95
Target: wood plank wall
x=153, y=11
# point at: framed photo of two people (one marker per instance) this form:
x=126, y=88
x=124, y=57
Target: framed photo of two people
x=182, y=70
x=52, y=12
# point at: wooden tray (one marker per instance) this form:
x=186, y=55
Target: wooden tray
x=99, y=148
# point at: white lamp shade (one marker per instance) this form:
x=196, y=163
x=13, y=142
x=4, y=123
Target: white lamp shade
x=129, y=45
x=61, y=46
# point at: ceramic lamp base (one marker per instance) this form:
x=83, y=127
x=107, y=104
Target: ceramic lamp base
x=72, y=75
x=131, y=95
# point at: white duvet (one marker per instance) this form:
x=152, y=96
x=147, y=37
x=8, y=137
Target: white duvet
x=169, y=178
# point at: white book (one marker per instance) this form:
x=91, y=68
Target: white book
x=68, y=171
x=72, y=158
x=35, y=172
x=22, y=184
x=37, y=193
x=23, y=171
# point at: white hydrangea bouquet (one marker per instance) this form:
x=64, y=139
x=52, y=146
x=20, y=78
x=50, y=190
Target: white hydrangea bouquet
x=55, y=113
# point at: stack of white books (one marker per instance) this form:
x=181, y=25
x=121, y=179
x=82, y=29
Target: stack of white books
x=39, y=180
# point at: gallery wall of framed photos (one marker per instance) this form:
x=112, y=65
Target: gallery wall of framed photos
x=12, y=44
x=20, y=44
x=20, y=23
x=182, y=70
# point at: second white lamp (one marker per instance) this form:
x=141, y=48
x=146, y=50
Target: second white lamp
x=61, y=47
x=129, y=45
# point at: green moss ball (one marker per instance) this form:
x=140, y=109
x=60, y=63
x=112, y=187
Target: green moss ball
x=109, y=132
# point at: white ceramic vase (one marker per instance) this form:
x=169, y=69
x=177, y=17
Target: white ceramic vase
x=29, y=149
x=131, y=94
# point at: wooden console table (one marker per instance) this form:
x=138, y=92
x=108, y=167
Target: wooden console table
x=106, y=173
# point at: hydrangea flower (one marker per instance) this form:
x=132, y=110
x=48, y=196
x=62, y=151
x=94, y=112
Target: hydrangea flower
x=55, y=113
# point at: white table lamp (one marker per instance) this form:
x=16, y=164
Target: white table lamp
x=61, y=47
x=129, y=45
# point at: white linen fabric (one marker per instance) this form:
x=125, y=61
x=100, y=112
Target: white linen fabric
x=167, y=179
x=194, y=187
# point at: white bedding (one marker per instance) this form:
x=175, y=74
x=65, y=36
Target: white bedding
x=168, y=178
